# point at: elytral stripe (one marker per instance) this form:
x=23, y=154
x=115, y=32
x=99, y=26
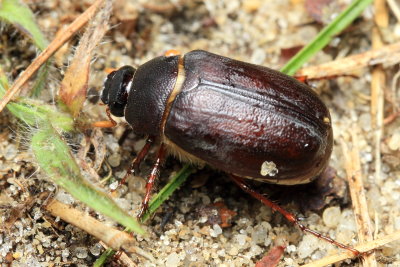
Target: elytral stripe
x=177, y=89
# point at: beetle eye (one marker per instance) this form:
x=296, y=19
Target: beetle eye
x=117, y=109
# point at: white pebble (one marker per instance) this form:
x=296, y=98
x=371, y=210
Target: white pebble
x=307, y=246
x=331, y=216
x=216, y=230
x=172, y=260
x=394, y=141
x=241, y=239
x=81, y=252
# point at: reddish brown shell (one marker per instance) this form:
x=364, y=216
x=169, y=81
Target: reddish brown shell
x=250, y=120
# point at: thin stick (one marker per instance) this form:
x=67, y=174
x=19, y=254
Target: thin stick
x=358, y=198
x=64, y=36
x=112, y=237
x=348, y=64
x=395, y=8
x=362, y=248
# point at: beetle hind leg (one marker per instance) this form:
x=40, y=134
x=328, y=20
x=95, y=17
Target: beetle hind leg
x=289, y=216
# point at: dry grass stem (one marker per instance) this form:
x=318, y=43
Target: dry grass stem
x=369, y=246
x=378, y=83
x=112, y=237
x=357, y=193
x=73, y=87
x=394, y=7
x=68, y=32
x=352, y=63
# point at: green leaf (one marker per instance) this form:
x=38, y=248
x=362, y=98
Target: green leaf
x=32, y=111
x=20, y=16
x=54, y=158
x=167, y=190
x=17, y=13
x=326, y=35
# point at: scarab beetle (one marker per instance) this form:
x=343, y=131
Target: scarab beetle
x=244, y=119
x=249, y=121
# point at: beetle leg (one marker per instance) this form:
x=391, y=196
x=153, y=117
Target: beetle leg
x=106, y=124
x=155, y=172
x=134, y=168
x=305, y=79
x=289, y=216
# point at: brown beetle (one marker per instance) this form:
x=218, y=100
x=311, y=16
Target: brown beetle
x=247, y=120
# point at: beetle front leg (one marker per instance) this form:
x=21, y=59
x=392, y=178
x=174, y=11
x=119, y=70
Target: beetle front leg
x=155, y=172
x=134, y=168
x=289, y=216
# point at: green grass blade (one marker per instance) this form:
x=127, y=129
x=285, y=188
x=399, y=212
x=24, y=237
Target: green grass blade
x=18, y=14
x=31, y=112
x=326, y=35
x=108, y=253
x=167, y=190
x=154, y=204
x=54, y=157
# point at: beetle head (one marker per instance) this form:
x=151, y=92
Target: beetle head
x=116, y=89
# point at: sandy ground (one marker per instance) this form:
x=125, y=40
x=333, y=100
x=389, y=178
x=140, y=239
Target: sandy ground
x=185, y=231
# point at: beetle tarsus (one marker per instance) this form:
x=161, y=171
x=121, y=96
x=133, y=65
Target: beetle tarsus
x=155, y=172
x=290, y=217
x=143, y=210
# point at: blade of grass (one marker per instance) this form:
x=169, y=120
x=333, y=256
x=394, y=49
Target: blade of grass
x=18, y=14
x=55, y=159
x=66, y=34
x=108, y=253
x=31, y=111
x=167, y=190
x=154, y=204
x=326, y=35
x=21, y=17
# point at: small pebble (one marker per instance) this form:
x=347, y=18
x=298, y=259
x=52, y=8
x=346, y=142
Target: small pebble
x=114, y=160
x=96, y=249
x=172, y=260
x=394, y=141
x=307, y=246
x=331, y=216
x=216, y=230
x=81, y=252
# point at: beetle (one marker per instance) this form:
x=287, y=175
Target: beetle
x=247, y=120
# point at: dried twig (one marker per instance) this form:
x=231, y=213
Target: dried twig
x=112, y=237
x=68, y=32
x=73, y=88
x=357, y=192
x=394, y=6
x=378, y=84
x=362, y=248
x=349, y=64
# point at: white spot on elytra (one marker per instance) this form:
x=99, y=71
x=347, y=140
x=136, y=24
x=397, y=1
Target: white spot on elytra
x=268, y=168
